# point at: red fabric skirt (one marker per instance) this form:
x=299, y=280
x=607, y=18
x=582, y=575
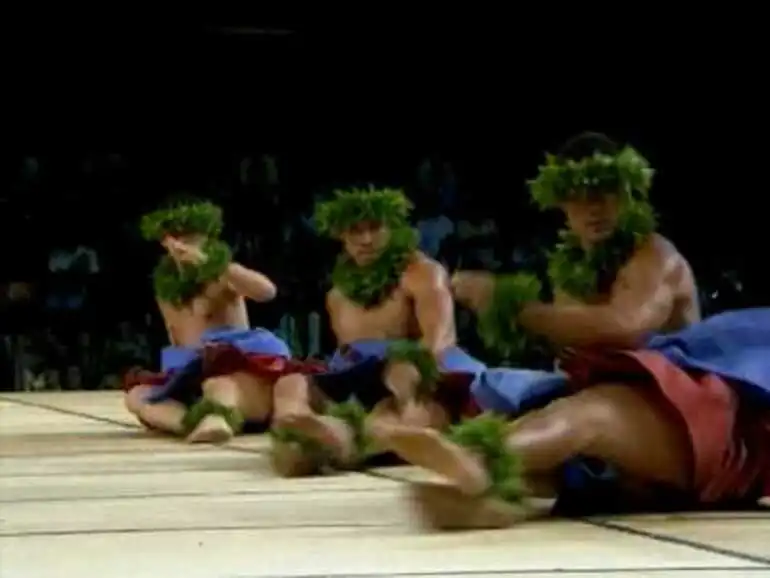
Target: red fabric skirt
x=224, y=359
x=730, y=440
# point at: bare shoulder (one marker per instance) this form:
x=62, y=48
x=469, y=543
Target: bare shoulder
x=424, y=272
x=658, y=258
x=333, y=298
x=166, y=308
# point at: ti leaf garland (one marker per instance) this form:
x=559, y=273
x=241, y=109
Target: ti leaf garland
x=370, y=284
x=583, y=274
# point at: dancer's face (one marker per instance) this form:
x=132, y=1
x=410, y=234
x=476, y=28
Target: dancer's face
x=193, y=240
x=365, y=241
x=593, y=218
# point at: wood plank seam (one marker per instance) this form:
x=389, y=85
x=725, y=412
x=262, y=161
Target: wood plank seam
x=610, y=526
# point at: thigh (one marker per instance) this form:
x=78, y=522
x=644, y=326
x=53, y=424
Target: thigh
x=254, y=394
x=136, y=397
x=634, y=428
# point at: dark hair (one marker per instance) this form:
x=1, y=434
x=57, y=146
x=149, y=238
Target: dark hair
x=586, y=144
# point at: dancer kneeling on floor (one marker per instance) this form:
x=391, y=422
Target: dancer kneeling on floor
x=392, y=312
x=217, y=374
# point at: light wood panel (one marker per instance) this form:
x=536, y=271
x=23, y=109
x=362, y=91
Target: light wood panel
x=81, y=498
x=747, y=534
x=345, y=551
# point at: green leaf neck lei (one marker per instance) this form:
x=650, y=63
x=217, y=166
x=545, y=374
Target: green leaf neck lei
x=178, y=285
x=371, y=284
x=583, y=274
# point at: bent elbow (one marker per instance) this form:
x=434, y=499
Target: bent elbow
x=269, y=292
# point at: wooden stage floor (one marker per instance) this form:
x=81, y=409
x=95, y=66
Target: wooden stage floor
x=87, y=493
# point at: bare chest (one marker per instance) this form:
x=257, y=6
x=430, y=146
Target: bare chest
x=392, y=319
x=186, y=324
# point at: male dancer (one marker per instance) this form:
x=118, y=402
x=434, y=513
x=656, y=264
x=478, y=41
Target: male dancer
x=646, y=286
x=614, y=278
x=217, y=373
x=392, y=312
x=684, y=420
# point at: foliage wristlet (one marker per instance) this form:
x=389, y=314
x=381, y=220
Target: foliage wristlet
x=485, y=435
x=422, y=359
x=180, y=283
x=497, y=324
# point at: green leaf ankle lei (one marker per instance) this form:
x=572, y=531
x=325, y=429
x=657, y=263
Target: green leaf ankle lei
x=485, y=435
x=206, y=407
x=369, y=285
x=582, y=274
x=178, y=284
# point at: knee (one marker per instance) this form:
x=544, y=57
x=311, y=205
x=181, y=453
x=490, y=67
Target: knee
x=214, y=384
x=290, y=386
x=401, y=379
x=134, y=399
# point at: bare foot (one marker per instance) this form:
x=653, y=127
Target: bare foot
x=764, y=501
x=291, y=460
x=333, y=434
x=443, y=507
x=429, y=449
x=212, y=429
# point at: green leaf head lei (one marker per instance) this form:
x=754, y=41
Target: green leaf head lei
x=572, y=269
x=178, y=219
x=180, y=283
x=348, y=208
x=369, y=284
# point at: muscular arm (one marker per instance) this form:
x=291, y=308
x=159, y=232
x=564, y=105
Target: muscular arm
x=333, y=299
x=642, y=301
x=427, y=283
x=166, y=311
x=249, y=283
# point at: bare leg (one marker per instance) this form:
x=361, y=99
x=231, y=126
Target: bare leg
x=294, y=412
x=402, y=380
x=631, y=427
x=166, y=416
x=243, y=392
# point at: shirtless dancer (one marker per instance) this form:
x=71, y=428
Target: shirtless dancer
x=636, y=416
x=614, y=279
x=392, y=312
x=217, y=373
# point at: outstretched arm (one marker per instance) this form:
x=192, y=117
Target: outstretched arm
x=249, y=283
x=642, y=301
x=427, y=284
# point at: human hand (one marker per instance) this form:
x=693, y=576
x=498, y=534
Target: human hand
x=473, y=289
x=183, y=252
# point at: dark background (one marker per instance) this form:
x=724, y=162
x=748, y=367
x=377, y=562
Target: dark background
x=103, y=120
